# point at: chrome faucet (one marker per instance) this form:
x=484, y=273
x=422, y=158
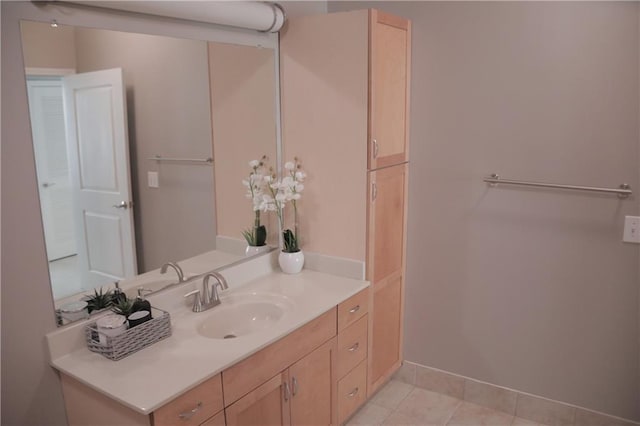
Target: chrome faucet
x=208, y=297
x=176, y=268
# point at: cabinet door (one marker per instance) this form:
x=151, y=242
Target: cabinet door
x=217, y=420
x=267, y=405
x=386, y=222
x=386, y=332
x=385, y=269
x=313, y=386
x=389, y=67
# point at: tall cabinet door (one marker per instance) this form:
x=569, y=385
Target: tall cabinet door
x=385, y=269
x=312, y=387
x=389, y=66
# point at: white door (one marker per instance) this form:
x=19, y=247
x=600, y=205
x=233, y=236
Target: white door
x=98, y=152
x=52, y=167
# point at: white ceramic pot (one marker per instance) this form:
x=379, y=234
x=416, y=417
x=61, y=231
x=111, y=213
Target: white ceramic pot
x=291, y=263
x=253, y=250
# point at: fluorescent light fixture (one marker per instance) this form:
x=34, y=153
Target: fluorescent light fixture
x=254, y=15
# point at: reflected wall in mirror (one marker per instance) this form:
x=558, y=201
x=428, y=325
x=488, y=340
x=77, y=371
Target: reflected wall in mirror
x=110, y=211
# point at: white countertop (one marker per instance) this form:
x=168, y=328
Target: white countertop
x=159, y=373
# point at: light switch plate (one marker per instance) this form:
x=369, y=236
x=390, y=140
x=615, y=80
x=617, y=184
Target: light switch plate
x=631, y=229
x=152, y=179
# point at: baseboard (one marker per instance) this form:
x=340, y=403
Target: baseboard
x=510, y=401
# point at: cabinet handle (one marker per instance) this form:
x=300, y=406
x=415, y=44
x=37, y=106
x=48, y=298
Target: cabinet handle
x=287, y=393
x=354, y=309
x=374, y=191
x=353, y=393
x=294, y=386
x=354, y=347
x=188, y=414
x=375, y=148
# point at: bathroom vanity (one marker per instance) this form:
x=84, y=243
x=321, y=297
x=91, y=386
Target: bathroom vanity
x=332, y=341
x=308, y=366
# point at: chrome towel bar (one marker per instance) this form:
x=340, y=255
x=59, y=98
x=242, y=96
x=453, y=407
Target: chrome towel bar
x=623, y=191
x=207, y=160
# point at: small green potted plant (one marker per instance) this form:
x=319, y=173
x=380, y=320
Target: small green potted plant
x=123, y=307
x=99, y=300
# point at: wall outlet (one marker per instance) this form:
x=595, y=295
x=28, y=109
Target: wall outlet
x=631, y=229
x=152, y=179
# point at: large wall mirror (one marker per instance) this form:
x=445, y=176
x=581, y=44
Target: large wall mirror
x=156, y=175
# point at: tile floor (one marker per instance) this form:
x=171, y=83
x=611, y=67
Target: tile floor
x=399, y=403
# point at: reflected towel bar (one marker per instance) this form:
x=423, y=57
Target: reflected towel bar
x=207, y=160
x=623, y=191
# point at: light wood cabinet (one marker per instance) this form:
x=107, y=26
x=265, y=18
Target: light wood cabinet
x=201, y=405
x=268, y=404
x=352, y=392
x=389, y=65
x=293, y=381
x=385, y=270
x=345, y=87
x=352, y=349
x=193, y=407
x=250, y=373
x=300, y=395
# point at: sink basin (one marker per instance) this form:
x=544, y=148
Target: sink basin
x=243, y=314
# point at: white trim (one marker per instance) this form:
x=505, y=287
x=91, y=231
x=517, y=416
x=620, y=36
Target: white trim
x=49, y=71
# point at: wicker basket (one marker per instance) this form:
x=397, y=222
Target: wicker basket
x=133, y=339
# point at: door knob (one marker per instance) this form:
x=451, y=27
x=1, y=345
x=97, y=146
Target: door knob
x=48, y=184
x=122, y=205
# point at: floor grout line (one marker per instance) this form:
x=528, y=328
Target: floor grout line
x=453, y=413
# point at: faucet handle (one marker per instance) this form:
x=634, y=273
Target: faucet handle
x=197, y=302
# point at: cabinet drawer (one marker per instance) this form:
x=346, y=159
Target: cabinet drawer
x=352, y=391
x=192, y=407
x=353, y=309
x=352, y=345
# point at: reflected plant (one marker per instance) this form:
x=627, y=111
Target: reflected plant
x=255, y=183
x=99, y=300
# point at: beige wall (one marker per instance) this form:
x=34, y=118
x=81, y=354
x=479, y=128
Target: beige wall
x=530, y=289
x=168, y=112
x=331, y=144
x=242, y=80
x=47, y=47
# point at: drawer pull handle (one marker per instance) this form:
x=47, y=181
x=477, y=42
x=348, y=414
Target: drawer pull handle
x=353, y=393
x=375, y=148
x=286, y=391
x=354, y=309
x=188, y=414
x=294, y=386
x=354, y=347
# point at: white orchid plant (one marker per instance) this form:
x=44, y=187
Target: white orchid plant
x=255, y=184
x=270, y=193
x=288, y=189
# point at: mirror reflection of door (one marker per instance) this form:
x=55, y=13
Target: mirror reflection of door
x=88, y=229
x=98, y=152
x=52, y=169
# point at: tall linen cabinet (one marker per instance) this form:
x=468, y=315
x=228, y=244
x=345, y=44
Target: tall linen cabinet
x=345, y=104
